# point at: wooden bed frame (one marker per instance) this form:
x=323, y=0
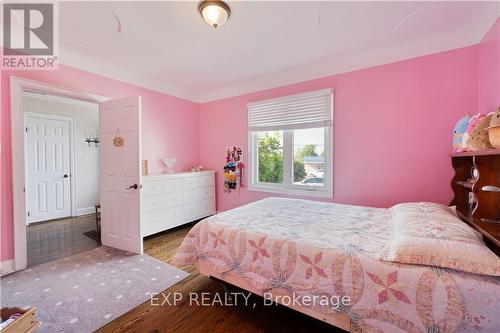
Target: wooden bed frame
x=340, y=320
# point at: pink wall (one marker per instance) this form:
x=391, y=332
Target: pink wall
x=489, y=70
x=170, y=127
x=392, y=133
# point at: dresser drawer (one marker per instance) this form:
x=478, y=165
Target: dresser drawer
x=154, y=222
x=198, y=209
x=198, y=194
x=198, y=181
x=173, y=185
x=190, y=183
x=161, y=187
x=151, y=188
x=205, y=181
x=159, y=202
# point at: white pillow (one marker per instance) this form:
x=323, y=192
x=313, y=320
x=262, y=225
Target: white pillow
x=430, y=234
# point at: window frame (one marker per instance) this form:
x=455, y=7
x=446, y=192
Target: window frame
x=287, y=187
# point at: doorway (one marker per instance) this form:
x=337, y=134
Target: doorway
x=119, y=121
x=61, y=175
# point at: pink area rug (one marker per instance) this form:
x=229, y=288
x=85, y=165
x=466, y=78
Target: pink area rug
x=84, y=292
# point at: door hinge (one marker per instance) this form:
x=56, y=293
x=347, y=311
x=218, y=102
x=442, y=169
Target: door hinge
x=28, y=213
x=26, y=129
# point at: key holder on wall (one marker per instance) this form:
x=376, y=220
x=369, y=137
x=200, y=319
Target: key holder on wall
x=233, y=169
x=91, y=138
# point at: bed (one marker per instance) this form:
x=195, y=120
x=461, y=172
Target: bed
x=323, y=252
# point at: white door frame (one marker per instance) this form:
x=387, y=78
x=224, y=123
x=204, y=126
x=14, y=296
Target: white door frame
x=72, y=187
x=17, y=86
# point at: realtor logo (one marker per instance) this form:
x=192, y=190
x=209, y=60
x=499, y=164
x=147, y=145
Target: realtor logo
x=29, y=38
x=37, y=23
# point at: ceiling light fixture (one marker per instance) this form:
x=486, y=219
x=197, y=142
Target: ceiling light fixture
x=214, y=12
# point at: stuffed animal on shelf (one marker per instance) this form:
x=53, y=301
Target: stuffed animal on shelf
x=478, y=139
x=493, y=129
x=458, y=133
x=473, y=121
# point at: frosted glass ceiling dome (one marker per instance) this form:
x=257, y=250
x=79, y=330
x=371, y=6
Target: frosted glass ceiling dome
x=215, y=13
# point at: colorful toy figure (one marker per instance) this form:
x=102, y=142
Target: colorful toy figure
x=233, y=169
x=458, y=133
x=470, y=127
x=478, y=139
x=494, y=129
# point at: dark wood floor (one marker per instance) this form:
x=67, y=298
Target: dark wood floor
x=191, y=318
x=60, y=238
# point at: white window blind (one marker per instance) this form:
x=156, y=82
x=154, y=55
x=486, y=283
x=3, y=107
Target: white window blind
x=307, y=110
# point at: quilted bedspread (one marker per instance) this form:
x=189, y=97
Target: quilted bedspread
x=314, y=248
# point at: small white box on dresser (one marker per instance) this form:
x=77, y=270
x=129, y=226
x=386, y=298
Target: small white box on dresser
x=170, y=200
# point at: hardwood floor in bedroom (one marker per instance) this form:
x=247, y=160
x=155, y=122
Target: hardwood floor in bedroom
x=185, y=318
x=51, y=240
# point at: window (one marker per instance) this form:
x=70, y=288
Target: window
x=270, y=157
x=290, y=144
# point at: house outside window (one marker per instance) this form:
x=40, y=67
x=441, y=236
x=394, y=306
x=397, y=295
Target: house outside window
x=290, y=144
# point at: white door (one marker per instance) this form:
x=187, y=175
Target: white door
x=121, y=173
x=48, y=185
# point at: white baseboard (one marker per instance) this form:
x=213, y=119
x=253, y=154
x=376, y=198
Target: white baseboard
x=6, y=266
x=85, y=211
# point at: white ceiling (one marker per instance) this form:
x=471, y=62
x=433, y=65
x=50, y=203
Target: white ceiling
x=166, y=46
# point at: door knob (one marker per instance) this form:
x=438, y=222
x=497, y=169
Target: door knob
x=65, y=176
x=135, y=187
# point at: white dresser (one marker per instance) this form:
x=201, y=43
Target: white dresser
x=170, y=200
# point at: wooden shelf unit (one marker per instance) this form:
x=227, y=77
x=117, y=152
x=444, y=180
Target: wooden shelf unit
x=477, y=153
x=487, y=202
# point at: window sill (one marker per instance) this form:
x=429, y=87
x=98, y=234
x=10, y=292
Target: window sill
x=323, y=193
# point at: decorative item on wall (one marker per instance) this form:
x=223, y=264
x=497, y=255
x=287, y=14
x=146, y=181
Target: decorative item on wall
x=91, y=138
x=145, y=170
x=118, y=140
x=494, y=129
x=233, y=169
x=169, y=163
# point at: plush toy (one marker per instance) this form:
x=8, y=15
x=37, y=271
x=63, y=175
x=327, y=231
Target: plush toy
x=494, y=129
x=473, y=121
x=478, y=139
x=458, y=133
